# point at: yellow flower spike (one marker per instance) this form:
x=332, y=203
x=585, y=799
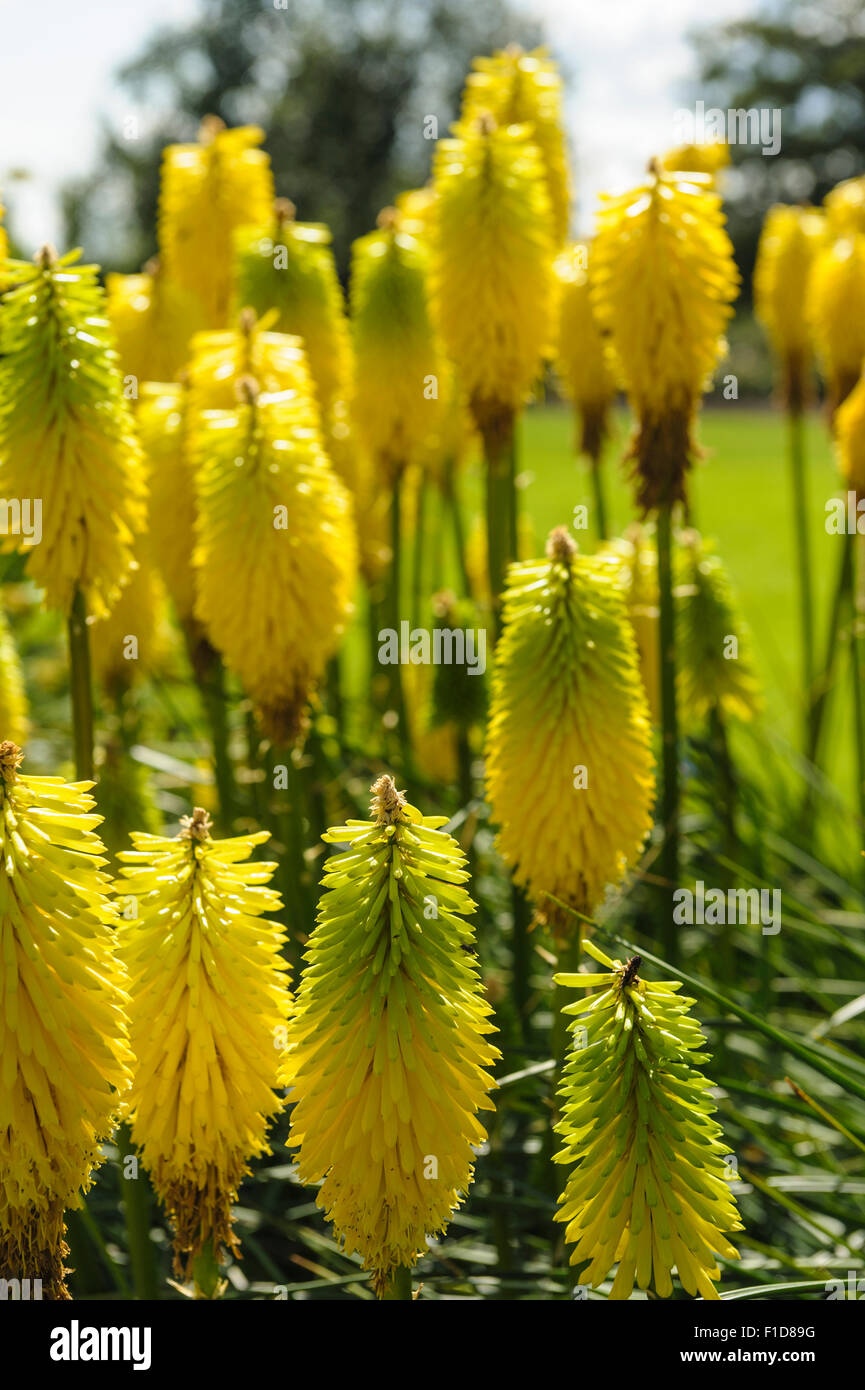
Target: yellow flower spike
x=277, y=361
x=275, y=553
x=711, y=672
x=207, y=191
x=387, y=1048
x=650, y=1190
x=416, y=208
x=153, y=321
x=14, y=709
x=162, y=426
x=836, y=312
x=492, y=273
x=519, y=88
x=663, y=280
x=850, y=438
x=709, y=157
x=845, y=207
x=636, y=558
x=582, y=361
x=208, y=1015
x=397, y=362
x=63, y=1051
x=4, y=249
x=289, y=266
x=569, y=765
x=789, y=242
x=66, y=433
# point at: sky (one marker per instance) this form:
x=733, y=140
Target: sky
x=630, y=59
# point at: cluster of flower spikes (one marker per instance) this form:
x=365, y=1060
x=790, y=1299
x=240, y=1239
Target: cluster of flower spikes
x=208, y=1011
x=66, y=432
x=567, y=695
x=650, y=1189
x=388, y=1049
x=63, y=1053
x=663, y=279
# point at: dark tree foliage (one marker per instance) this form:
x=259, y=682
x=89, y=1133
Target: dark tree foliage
x=341, y=87
x=806, y=59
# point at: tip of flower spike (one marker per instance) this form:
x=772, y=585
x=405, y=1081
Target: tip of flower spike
x=654, y=167
x=284, y=210
x=246, y=321
x=197, y=826
x=387, y=803
x=387, y=219
x=45, y=256
x=11, y=759
x=210, y=127
x=152, y=267
x=247, y=390
x=561, y=545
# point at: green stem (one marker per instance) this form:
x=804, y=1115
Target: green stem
x=843, y=592
x=137, y=1204
x=393, y=600
x=453, y=504
x=513, y=496
x=464, y=765
x=803, y=558
x=81, y=687
x=399, y=1286
x=669, y=856
x=257, y=787
x=417, y=593
x=597, y=472
x=500, y=507
x=288, y=829
x=568, y=963
x=209, y=672
x=520, y=988
x=857, y=667
x=205, y=1272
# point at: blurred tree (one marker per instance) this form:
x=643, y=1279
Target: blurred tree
x=342, y=88
x=808, y=61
